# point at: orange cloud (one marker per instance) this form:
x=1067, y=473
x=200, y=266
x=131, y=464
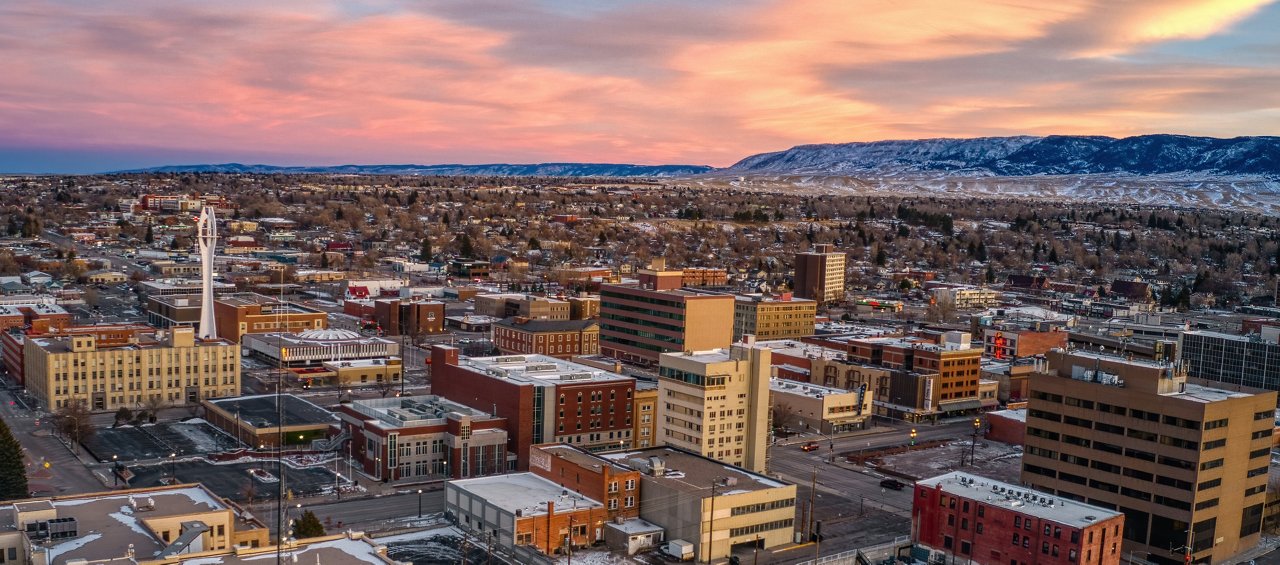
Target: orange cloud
x=671, y=82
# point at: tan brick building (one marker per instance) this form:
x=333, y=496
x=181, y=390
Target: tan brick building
x=172, y=367
x=773, y=317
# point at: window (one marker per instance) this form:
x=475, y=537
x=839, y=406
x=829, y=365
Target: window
x=977, y=527
x=1210, y=464
x=1214, y=444
x=1017, y=521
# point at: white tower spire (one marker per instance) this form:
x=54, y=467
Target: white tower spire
x=207, y=239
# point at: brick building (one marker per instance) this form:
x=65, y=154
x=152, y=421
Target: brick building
x=555, y=338
x=398, y=316
x=1015, y=343
x=973, y=518
x=592, y=476
x=522, y=511
x=424, y=437
x=241, y=314
x=544, y=399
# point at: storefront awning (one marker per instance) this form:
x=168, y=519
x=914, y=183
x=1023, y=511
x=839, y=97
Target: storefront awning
x=958, y=405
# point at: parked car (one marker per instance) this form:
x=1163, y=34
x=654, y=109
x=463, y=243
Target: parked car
x=892, y=484
x=811, y=446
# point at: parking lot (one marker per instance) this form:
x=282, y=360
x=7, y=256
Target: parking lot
x=234, y=481
x=155, y=441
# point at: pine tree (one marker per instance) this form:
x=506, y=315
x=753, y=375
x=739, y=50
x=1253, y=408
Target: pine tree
x=465, y=248
x=13, y=475
x=308, y=526
x=151, y=235
x=425, y=254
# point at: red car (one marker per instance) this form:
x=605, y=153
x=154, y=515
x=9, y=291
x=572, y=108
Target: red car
x=811, y=446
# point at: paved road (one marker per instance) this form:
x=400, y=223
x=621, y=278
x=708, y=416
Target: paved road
x=65, y=474
x=854, y=509
x=369, y=514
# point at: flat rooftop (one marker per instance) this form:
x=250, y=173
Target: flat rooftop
x=579, y=457
x=1232, y=337
x=524, y=492
x=805, y=389
x=693, y=473
x=108, y=524
x=797, y=348
x=261, y=410
x=538, y=369
x=536, y=326
x=266, y=302
x=1019, y=499
x=62, y=343
x=413, y=410
x=40, y=309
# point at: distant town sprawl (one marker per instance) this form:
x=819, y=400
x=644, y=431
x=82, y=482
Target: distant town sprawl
x=522, y=369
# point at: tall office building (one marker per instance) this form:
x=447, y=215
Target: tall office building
x=640, y=322
x=1186, y=464
x=820, y=274
x=716, y=403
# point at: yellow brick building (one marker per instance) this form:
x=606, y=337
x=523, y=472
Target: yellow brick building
x=169, y=367
x=773, y=317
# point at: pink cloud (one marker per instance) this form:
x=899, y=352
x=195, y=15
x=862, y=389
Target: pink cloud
x=445, y=83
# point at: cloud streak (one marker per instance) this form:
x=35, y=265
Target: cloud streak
x=645, y=82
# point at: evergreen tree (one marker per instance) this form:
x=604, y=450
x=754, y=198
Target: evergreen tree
x=534, y=243
x=13, y=475
x=324, y=260
x=151, y=235
x=465, y=248
x=308, y=526
x=425, y=254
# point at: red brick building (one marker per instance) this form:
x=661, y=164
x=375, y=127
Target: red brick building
x=544, y=399
x=973, y=518
x=592, y=476
x=422, y=437
x=397, y=316
x=562, y=339
x=523, y=511
x=1010, y=344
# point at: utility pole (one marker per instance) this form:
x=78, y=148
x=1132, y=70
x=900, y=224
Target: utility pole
x=711, y=528
x=755, y=551
x=813, y=490
x=489, y=551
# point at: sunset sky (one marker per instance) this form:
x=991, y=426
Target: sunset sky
x=94, y=86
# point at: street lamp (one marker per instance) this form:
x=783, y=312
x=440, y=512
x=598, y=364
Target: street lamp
x=173, y=467
x=115, y=469
x=913, y=439
x=419, y=503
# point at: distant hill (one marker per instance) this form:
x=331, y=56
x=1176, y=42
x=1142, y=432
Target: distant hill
x=541, y=169
x=1027, y=155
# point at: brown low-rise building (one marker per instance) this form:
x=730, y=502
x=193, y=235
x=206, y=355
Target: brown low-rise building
x=399, y=316
x=523, y=511
x=590, y=475
x=240, y=314
x=259, y=421
x=562, y=339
